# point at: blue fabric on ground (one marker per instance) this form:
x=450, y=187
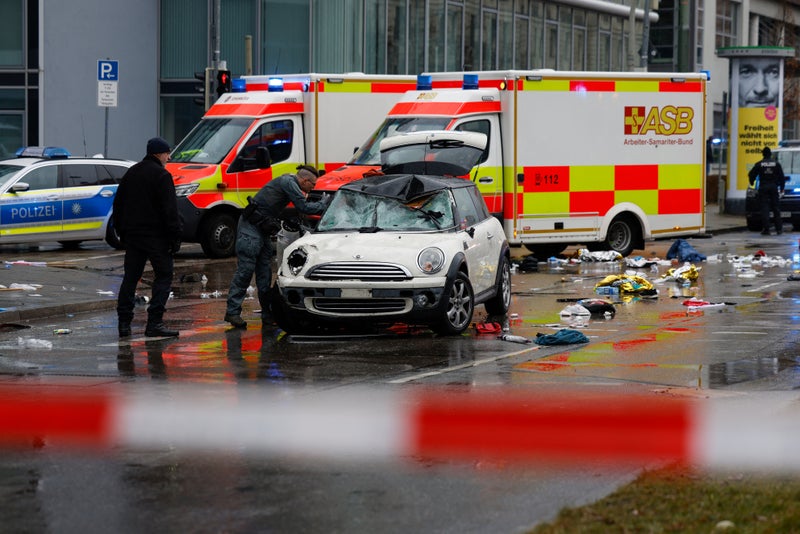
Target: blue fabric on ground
x=683, y=251
x=561, y=337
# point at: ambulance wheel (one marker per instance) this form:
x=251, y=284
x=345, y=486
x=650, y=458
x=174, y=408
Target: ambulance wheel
x=501, y=301
x=218, y=235
x=622, y=235
x=542, y=252
x=458, y=309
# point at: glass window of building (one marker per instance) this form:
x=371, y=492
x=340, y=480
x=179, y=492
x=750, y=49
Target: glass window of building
x=11, y=34
x=490, y=38
x=375, y=33
x=396, y=43
x=537, y=36
x=238, y=19
x=591, y=40
x=472, y=34
x=455, y=36
x=578, y=39
x=727, y=24
x=663, y=36
x=436, y=35
x=505, y=59
x=565, y=38
x=184, y=38
x=522, y=49
x=604, y=43
x=551, y=36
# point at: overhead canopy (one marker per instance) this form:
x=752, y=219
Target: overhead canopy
x=404, y=187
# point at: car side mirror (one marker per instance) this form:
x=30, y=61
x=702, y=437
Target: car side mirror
x=262, y=157
x=471, y=231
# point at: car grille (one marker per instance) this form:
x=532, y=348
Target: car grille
x=356, y=270
x=360, y=306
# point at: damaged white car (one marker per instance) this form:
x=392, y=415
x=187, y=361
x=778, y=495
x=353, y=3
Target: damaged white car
x=415, y=245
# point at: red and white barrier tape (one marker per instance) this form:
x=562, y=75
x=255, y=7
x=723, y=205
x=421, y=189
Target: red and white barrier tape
x=759, y=431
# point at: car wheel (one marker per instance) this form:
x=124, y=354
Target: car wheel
x=218, y=236
x=499, y=304
x=459, y=307
x=112, y=237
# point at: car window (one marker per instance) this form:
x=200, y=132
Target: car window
x=111, y=174
x=479, y=126
x=45, y=177
x=467, y=212
x=77, y=175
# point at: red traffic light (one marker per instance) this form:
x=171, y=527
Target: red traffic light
x=223, y=82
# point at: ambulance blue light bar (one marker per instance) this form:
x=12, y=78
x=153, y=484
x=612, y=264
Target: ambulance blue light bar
x=238, y=85
x=424, y=82
x=275, y=85
x=50, y=152
x=470, y=81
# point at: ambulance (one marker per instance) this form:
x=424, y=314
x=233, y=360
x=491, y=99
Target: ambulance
x=266, y=127
x=608, y=160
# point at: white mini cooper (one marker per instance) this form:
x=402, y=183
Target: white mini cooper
x=414, y=245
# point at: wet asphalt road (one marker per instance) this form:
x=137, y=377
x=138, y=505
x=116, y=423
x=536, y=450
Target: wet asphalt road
x=650, y=345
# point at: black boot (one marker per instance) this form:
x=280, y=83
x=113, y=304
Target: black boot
x=159, y=330
x=124, y=329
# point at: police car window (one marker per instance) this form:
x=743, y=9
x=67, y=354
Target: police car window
x=479, y=126
x=41, y=178
x=111, y=174
x=79, y=175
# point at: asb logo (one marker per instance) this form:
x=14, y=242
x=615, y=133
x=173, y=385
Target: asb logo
x=668, y=120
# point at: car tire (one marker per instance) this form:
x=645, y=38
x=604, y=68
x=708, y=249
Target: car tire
x=501, y=301
x=218, y=235
x=622, y=236
x=459, y=307
x=544, y=251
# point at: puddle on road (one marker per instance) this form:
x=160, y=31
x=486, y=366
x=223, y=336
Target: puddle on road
x=747, y=370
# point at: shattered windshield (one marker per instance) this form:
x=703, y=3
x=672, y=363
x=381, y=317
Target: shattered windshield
x=355, y=211
x=370, y=152
x=210, y=141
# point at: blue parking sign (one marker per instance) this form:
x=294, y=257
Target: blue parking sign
x=107, y=70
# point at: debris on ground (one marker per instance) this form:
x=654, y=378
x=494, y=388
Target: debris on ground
x=586, y=255
x=627, y=283
x=683, y=251
x=684, y=274
x=565, y=336
x=488, y=328
x=515, y=339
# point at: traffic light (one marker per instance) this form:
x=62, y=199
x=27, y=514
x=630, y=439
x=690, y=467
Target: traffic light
x=203, y=100
x=223, y=82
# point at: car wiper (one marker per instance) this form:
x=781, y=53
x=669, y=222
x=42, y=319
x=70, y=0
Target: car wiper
x=432, y=216
x=370, y=229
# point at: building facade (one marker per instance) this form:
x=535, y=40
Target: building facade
x=49, y=82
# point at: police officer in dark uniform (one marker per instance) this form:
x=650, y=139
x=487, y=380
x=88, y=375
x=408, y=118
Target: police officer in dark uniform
x=771, y=182
x=147, y=221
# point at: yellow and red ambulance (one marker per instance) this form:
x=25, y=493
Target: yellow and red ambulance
x=266, y=127
x=608, y=160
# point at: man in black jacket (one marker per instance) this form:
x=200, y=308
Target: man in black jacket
x=771, y=182
x=147, y=220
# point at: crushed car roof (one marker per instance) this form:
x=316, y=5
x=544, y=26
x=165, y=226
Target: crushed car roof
x=405, y=187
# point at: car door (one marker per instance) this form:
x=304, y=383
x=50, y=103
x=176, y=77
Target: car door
x=87, y=202
x=31, y=208
x=481, y=249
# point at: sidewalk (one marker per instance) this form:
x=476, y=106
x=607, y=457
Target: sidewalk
x=68, y=290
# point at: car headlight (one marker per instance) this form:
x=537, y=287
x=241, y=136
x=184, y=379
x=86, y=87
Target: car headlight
x=430, y=260
x=296, y=260
x=186, y=189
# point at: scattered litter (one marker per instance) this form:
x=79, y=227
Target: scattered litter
x=686, y=273
x=23, y=262
x=25, y=287
x=515, y=339
x=32, y=343
x=529, y=264
x=105, y=292
x=192, y=277
x=203, y=281
x=488, y=328
x=683, y=251
x=598, y=306
x=212, y=295
x=627, y=283
x=599, y=255
x=565, y=336
x=251, y=291
x=62, y=331
x=141, y=299
x=575, y=310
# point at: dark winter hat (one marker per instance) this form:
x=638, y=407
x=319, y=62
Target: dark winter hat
x=156, y=145
x=766, y=152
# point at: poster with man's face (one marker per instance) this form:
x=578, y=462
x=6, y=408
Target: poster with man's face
x=757, y=87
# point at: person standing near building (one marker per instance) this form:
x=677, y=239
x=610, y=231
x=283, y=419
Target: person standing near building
x=147, y=221
x=771, y=182
x=258, y=222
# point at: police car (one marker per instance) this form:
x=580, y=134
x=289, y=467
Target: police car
x=47, y=195
x=787, y=153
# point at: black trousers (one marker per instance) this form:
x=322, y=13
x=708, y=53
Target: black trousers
x=138, y=251
x=770, y=201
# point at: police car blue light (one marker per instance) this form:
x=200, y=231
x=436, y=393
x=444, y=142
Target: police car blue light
x=50, y=152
